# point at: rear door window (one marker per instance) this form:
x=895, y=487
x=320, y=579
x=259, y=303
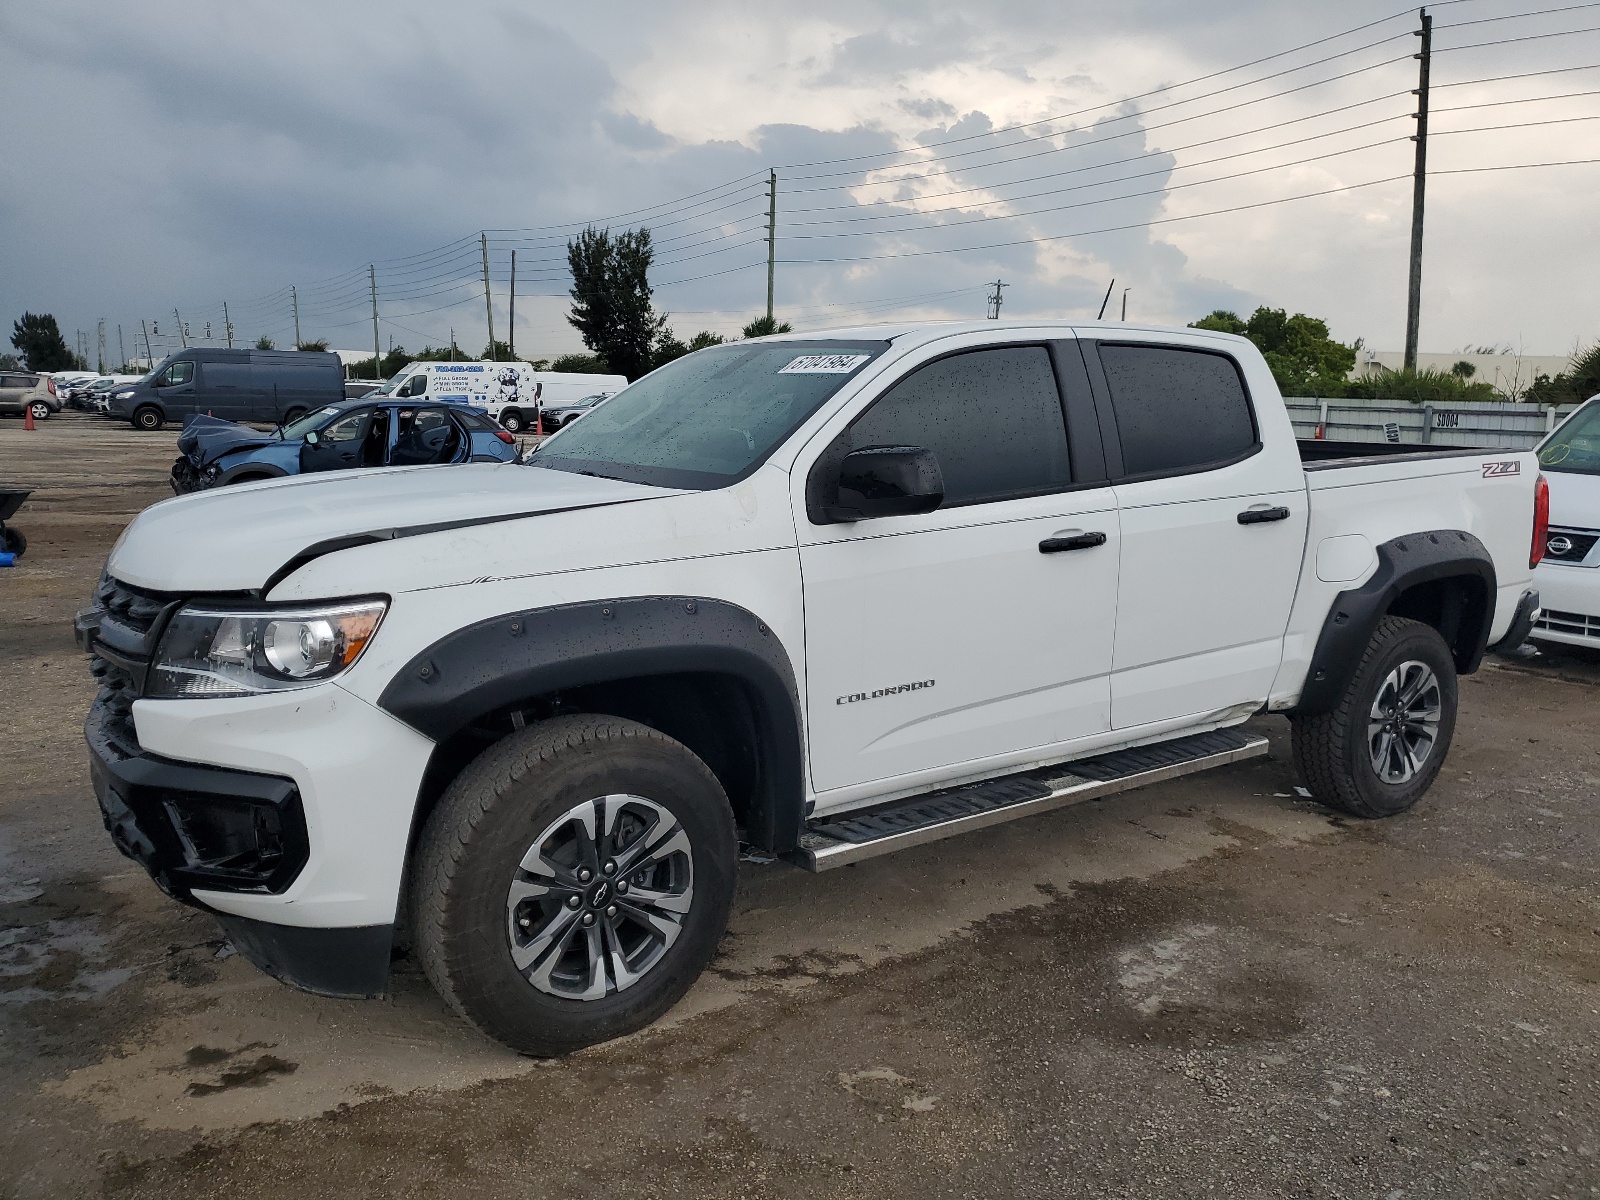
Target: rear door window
x=1177, y=410
x=992, y=418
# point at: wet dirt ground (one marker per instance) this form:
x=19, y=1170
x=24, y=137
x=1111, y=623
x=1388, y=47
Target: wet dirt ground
x=1210, y=987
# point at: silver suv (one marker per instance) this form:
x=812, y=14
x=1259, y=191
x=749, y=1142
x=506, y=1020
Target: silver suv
x=22, y=392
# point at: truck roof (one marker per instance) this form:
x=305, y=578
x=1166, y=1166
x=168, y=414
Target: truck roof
x=930, y=330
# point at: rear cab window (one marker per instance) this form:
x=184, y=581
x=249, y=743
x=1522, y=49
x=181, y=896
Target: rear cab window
x=1178, y=410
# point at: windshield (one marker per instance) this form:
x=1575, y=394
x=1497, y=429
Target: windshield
x=588, y=401
x=296, y=430
x=1575, y=447
x=388, y=384
x=708, y=419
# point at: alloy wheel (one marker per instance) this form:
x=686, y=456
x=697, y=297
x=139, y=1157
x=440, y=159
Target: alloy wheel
x=1403, y=724
x=600, y=897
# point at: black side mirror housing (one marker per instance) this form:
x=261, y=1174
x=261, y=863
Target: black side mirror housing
x=887, y=481
x=313, y=438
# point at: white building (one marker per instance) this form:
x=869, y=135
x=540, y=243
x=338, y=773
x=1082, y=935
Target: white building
x=1508, y=374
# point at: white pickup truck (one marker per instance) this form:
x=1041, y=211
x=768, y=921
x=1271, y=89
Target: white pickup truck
x=833, y=594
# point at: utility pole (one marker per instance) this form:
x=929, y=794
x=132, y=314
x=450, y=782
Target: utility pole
x=148, y=353
x=513, y=342
x=488, y=300
x=183, y=334
x=1125, y=292
x=377, y=353
x=227, y=325
x=452, y=343
x=772, y=234
x=121, y=349
x=1106, y=299
x=1419, y=186
x=100, y=349
x=994, y=300
x=294, y=300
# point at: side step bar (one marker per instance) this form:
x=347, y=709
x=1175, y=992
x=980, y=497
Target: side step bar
x=867, y=833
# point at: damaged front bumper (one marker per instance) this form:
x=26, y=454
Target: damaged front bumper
x=186, y=477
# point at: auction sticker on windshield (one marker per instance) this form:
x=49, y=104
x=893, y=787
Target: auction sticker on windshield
x=824, y=364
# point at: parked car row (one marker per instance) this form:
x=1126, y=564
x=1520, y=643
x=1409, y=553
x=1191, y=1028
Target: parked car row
x=1569, y=575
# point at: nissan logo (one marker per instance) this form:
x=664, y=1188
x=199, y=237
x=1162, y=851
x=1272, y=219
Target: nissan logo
x=1559, y=546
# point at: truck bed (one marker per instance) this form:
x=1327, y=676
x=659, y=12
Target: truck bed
x=1320, y=454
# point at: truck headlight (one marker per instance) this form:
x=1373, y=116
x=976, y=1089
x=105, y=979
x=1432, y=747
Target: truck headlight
x=212, y=652
x=124, y=395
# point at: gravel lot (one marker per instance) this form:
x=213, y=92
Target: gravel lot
x=1208, y=987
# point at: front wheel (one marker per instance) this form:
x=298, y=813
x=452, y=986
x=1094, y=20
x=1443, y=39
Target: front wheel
x=1384, y=743
x=512, y=420
x=149, y=419
x=573, y=882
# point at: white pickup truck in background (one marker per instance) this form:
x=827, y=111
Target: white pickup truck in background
x=833, y=594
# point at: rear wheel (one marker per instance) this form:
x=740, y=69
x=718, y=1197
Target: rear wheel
x=148, y=418
x=573, y=882
x=12, y=541
x=512, y=420
x=1384, y=743
x=293, y=415
x=40, y=410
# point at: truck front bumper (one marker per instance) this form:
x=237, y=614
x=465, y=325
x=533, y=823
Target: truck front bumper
x=287, y=815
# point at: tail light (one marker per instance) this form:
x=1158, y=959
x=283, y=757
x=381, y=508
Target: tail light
x=1541, y=520
x=51, y=384
x=511, y=441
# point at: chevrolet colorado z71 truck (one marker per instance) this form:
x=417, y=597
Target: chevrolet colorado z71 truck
x=831, y=594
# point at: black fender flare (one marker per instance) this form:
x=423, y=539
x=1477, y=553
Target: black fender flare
x=512, y=658
x=1403, y=563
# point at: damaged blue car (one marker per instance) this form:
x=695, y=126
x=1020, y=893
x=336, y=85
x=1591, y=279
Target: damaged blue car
x=338, y=437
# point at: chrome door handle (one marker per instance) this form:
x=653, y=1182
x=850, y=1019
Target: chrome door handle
x=1260, y=516
x=1078, y=541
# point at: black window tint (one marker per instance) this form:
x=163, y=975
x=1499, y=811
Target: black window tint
x=1176, y=409
x=991, y=417
x=476, y=421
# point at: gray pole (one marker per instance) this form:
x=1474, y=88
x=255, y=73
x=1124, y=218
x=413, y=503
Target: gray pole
x=772, y=234
x=182, y=335
x=377, y=352
x=1125, y=292
x=513, y=306
x=1105, y=300
x=994, y=300
x=227, y=325
x=148, y=353
x=121, y=349
x=488, y=300
x=100, y=345
x=452, y=343
x=1419, y=185
x=294, y=299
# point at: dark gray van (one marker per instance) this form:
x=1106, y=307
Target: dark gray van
x=266, y=386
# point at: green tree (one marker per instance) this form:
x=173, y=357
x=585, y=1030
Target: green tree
x=38, y=338
x=10, y=362
x=1464, y=369
x=450, y=353
x=320, y=344
x=390, y=365
x=497, y=351
x=669, y=346
x=1420, y=387
x=611, y=296
x=1304, y=359
x=1574, y=385
x=765, y=326
x=581, y=364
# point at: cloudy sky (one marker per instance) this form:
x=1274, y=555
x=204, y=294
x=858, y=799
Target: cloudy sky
x=167, y=155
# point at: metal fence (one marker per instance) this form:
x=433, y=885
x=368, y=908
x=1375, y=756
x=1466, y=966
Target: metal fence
x=1493, y=424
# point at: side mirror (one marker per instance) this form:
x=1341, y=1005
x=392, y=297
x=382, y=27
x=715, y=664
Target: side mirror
x=313, y=438
x=887, y=481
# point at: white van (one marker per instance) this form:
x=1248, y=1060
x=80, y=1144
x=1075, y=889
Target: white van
x=512, y=391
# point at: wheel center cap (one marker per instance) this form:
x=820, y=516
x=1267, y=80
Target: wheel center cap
x=600, y=894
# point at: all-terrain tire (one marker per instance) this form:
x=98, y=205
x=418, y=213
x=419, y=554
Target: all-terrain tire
x=148, y=418
x=484, y=826
x=1332, y=753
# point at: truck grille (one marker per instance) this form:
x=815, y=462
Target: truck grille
x=1570, y=545
x=120, y=650
x=1570, y=623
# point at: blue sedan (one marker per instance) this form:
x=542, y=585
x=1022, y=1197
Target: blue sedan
x=339, y=437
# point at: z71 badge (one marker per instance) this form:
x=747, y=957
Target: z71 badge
x=1495, y=469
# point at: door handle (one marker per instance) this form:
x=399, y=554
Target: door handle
x=1078, y=541
x=1260, y=516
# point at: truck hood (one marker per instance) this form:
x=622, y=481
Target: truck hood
x=206, y=439
x=1574, y=499
x=238, y=538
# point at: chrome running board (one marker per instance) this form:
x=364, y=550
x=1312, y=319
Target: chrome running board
x=867, y=833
